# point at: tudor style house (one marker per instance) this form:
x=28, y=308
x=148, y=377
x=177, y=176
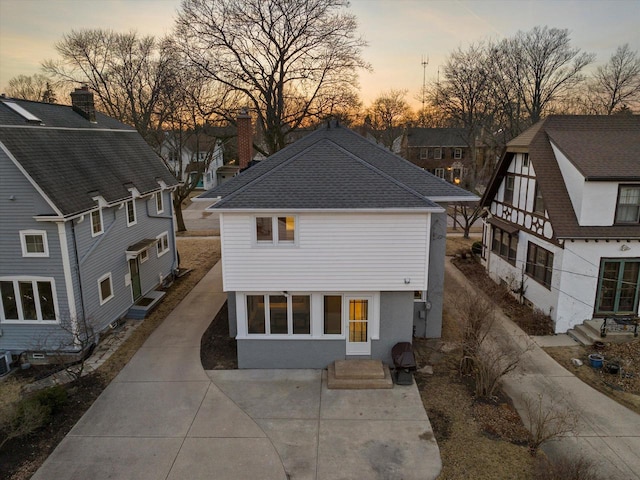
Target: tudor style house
x=563, y=223
x=332, y=248
x=86, y=223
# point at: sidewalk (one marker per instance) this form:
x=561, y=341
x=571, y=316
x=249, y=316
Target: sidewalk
x=608, y=433
x=164, y=417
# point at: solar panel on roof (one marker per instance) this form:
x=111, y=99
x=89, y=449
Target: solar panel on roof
x=28, y=116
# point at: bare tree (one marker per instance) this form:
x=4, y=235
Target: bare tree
x=37, y=87
x=544, y=67
x=128, y=74
x=618, y=82
x=288, y=59
x=388, y=114
x=464, y=215
x=546, y=420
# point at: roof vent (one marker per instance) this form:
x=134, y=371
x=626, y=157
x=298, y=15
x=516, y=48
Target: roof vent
x=28, y=116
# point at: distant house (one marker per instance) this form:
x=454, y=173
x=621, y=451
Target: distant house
x=445, y=152
x=563, y=229
x=199, y=159
x=333, y=248
x=86, y=223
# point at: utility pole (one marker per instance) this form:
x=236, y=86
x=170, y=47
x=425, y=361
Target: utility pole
x=424, y=63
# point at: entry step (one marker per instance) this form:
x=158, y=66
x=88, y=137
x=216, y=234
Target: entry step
x=358, y=374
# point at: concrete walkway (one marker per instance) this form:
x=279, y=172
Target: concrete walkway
x=608, y=433
x=164, y=417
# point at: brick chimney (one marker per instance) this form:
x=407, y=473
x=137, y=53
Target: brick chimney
x=245, y=138
x=82, y=103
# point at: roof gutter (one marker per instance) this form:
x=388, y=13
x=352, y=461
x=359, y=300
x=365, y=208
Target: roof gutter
x=327, y=210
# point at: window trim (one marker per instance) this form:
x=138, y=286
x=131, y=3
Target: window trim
x=131, y=202
x=498, y=251
x=275, y=240
x=512, y=190
x=267, y=315
x=23, y=243
x=144, y=255
x=161, y=248
x=439, y=172
x=457, y=153
x=437, y=153
x=424, y=153
x=616, y=220
x=531, y=266
x=106, y=276
x=159, y=202
x=34, y=280
x=95, y=233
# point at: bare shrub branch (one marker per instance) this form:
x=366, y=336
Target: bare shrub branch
x=546, y=421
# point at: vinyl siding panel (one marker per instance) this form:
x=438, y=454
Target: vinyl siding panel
x=334, y=252
x=17, y=215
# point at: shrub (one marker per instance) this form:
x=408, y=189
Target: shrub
x=476, y=248
x=565, y=469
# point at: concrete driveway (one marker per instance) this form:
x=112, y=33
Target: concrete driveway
x=607, y=433
x=164, y=417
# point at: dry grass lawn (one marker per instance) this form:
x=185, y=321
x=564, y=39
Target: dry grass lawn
x=457, y=244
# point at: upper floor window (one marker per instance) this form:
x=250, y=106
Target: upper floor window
x=163, y=244
x=628, y=208
x=437, y=153
x=424, y=152
x=539, y=264
x=159, y=202
x=538, y=203
x=131, y=212
x=457, y=153
x=28, y=299
x=509, y=182
x=96, y=223
x=276, y=230
x=34, y=243
x=525, y=160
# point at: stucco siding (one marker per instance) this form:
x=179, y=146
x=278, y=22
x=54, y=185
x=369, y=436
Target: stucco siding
x=396, y=312
x=345, y=252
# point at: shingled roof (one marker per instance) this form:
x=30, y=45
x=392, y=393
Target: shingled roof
x=335, y=168
x=602, y=148
x=73, y=160
x=437, y=137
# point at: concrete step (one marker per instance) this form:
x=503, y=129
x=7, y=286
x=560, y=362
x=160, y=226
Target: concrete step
x=358, y=374
x=580, y=337
x=594, y=325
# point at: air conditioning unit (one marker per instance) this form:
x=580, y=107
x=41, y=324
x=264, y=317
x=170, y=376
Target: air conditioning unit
x=5, y=363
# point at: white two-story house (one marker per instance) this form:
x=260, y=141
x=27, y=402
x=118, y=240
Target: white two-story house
x=563, y=223
x=332, y=248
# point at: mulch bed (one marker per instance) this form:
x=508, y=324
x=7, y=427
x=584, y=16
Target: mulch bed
x=21, y=457
x=217, y=350
x=533, y=322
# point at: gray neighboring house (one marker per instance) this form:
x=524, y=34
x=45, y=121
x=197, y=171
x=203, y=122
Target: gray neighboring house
x=332, y=248
x=86, y=223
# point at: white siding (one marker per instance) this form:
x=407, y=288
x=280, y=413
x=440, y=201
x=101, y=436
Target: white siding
x=334, y=252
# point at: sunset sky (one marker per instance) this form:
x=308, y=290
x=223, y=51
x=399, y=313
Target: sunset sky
x=399, y=32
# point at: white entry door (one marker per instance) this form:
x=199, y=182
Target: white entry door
x=358, y=334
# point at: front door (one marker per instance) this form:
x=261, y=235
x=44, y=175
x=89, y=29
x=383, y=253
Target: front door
x=358, y=338
x=134, y=269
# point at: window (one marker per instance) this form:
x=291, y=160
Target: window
x=332, y=315
x=279, y=314
x=96, y=223
x=440, y=172
x=457, y=153
x=539, y=264
x=105, y=288
x=509, y=182
x=131, y=213
x=628, y=208
x=144, y=256
x=538, y=203
x=34, y=243
x=163, y=244
x=505, y=245
x=618, y=286
x=159, y=202
x=525, y=160
x=424, y=152
x=275, y=230
x=264, y=229
x=437, y=153
x=28, y=300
